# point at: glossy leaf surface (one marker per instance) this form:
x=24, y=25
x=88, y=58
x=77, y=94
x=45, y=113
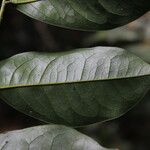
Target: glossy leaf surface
x=50, y=137
x=74, y=88
x=86, y=14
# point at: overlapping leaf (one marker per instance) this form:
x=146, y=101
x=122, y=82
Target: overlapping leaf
x=86, y=14
x=50, y=137
x=74, y=88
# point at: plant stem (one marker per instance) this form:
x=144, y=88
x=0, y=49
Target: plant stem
x=2, y=9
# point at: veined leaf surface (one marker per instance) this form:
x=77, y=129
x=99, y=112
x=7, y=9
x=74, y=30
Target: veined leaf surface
x=47, y=137
x=74, y=88
x=86, y=14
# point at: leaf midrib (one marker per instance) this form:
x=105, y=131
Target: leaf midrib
x=68, y=82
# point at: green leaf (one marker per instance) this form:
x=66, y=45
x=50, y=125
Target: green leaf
x=47, y=137
x=74, y=88
x=86, y=14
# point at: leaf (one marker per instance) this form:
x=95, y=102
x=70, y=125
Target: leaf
x=74, y=88
x=47, y=137
x=86, y=14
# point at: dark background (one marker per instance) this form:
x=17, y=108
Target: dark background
x=19, y=33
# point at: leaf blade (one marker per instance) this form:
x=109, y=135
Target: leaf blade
x=77, y=88
x=46, y=137
x=85, y=15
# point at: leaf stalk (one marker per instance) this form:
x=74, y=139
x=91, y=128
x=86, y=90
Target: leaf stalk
x=4, y=2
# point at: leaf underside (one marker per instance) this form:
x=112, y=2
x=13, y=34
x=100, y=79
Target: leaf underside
x=47, y=137
x=86, y=14
x=74, y=88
